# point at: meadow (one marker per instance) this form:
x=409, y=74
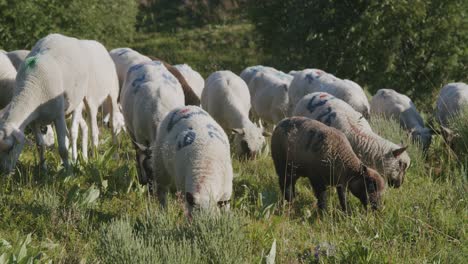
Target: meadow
x=99, y=213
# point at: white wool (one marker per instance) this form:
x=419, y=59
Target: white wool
x=269, y=95
x=17, y=57
x=375, y=151
x=452, y=98
x=124, y=58
x=193, y=78
x=315, y=80
x=226, y=97
x=391, y=104
x=7, y=80
x=192, y=154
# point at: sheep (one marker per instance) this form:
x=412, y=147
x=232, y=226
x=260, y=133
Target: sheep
x=124, y=58
x=7, y=80
x=248, y=73
x=102, y=86
x=389, y=159
x=269, y=95
x=50, y=84
x=226, y=98
x=192, y=155
x=452, y=100
x=17, y=57
x=150, y=92
x=391, y=104
x=314, y=80
x=193, y=78
x=302, y=147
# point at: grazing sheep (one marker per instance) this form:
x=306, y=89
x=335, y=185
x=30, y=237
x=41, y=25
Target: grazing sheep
x=302, y=147
x=391, y=104
x=389, y=159
x=193, y=78
x=102, y=86
x=17, y=57
x=248, y=73
x=191, y=154
x=314, y=80
x=7, y=80
x=50, y=84
x=124, y=58
x=150, y=92
x=227, y=99
x=269, y=95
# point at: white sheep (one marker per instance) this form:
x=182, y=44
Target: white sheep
x=452, y=100
x=314, y=80
x=17, y=57
x=102, y=86
x=269, y=95
x=50, y=84
x=150, y=92
x=192, y=155
x=389, y=159
x=193, y=78
x=7, y=80
x=391, y=104
x=248, y=73
x=226, y=97
x=124, y=58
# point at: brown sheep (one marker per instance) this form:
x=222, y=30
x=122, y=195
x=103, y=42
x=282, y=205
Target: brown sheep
x=304, y=147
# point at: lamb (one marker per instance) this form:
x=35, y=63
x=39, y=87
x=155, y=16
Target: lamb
x=150, y=92
x=192, y=155
x=17, y=57
x=302, y=147
x=102, y=86
x=227, y=99
x=41, y=96
x=314, y=80
x=269, y=95
x=193, y=78
x=391, y=104
x=452, y=100
x=389, y=159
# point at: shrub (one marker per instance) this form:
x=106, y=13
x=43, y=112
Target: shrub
x=411, y=46
x=23, y=22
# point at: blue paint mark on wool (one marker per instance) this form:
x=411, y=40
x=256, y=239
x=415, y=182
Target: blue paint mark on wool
x=123, y=52
x=213, y=132
x=188, y=139
x=184, y=115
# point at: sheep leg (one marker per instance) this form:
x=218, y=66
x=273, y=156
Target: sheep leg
x=342, y=197
x=61, y=130
x=84, y=138
x=320, y=192
x=113, y=121
x=288, y=181
x=94, y=127
x=76, y=118
x=40, y=145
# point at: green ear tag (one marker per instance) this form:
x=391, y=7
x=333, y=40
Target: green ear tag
x=31, y=62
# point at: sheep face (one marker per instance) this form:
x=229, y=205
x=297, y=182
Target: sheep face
x=399, y=161
x=368, y=187
x=194, y=201
x=248, y=141
x=11, y=144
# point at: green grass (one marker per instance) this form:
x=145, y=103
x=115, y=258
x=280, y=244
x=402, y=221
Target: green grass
x=101, y=214
x=207, y=49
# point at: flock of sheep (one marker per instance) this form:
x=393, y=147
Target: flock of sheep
x=182, y=146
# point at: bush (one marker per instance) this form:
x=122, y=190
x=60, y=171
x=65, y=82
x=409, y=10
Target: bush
x=412, y=46
x=23, y=22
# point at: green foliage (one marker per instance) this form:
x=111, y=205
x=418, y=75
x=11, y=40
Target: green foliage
x=460, y=128
x=412, y=46
x=171, y=15
x=23, y=22
x=205, y=49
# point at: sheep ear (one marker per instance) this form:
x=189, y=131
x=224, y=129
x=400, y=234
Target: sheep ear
x=266, y=134
x=398, y=152
x=239, y=131
x=363, y=169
